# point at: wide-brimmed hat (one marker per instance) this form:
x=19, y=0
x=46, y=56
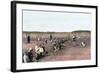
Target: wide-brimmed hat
x=29, y=49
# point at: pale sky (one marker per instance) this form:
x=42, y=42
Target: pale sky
x=55, y=21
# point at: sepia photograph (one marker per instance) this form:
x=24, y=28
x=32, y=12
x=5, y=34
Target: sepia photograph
x=56, y=36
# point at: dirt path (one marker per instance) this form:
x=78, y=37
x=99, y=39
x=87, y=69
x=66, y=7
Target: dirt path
x=69, y=54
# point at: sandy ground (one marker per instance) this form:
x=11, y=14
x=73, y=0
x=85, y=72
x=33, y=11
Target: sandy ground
x=68, y=53
x=71, y=51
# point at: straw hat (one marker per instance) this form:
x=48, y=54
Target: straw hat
x=29, y=49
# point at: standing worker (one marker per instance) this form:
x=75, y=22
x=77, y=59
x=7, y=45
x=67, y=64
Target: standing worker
x=50, y=36
x=28, y=39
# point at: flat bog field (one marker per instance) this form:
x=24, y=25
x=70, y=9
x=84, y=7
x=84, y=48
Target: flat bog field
x=56, y=46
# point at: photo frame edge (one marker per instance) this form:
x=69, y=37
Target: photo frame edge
x=13, y=36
